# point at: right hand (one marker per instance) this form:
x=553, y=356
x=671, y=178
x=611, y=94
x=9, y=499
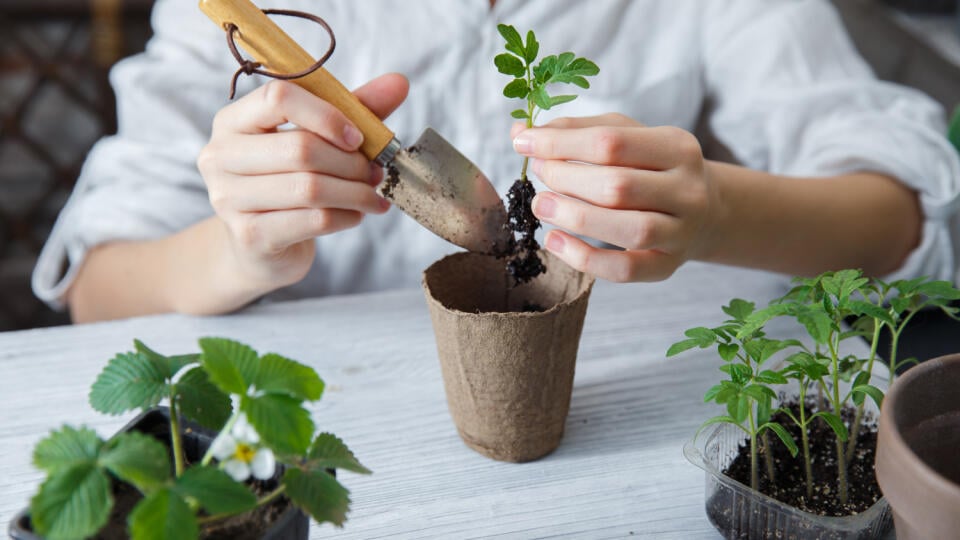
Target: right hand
x=276, y=190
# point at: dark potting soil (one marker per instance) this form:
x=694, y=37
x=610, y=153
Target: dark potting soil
x=523, y=263
x=789, y=484
x=530, y=307
x=249, y=526
x=391, y=181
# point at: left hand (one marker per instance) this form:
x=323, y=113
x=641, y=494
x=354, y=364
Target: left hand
x=644, y=189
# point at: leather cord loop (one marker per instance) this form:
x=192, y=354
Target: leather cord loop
x=249, y=67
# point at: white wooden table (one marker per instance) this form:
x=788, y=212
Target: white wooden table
x=618, y=473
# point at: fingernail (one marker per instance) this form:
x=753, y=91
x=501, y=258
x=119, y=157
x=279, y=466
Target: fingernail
x=523, y=144
x=384, y=204
x=544, y=206
x=554, y=243
x=352, y=136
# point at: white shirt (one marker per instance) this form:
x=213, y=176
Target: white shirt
x=788, y=95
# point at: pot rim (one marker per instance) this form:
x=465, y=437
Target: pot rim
x=893, y=438
x=588, y=284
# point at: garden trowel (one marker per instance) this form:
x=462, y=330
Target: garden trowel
x=431, y=181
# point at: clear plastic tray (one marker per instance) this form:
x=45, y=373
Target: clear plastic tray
x=740, y=512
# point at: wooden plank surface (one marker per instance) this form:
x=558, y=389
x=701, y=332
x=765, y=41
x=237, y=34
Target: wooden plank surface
x=618, y=473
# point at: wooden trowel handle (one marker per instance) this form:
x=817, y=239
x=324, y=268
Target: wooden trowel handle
x=278, y=52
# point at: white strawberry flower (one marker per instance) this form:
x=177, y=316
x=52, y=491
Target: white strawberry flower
x=240, y=454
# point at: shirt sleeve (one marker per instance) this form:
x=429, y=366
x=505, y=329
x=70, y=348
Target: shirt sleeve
x=142, y=183
x=790, y=95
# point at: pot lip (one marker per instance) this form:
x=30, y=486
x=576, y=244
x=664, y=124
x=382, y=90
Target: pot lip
x=511, y=314
x=589, y=282
x=891, y=437
x=693, y=452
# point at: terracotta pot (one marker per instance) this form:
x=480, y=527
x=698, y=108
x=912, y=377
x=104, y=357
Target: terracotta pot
x=508, y=373
x=917, y=465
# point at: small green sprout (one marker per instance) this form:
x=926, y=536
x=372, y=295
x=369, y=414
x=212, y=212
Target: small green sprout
x=823, y=306
x=531, y=80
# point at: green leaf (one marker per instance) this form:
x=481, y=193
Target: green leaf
x=704, y=336
x=319, y=494
x=739, y=309
x=138, y=459
x=509, y=64
x=941, y=290
x=570, y=70
x=540, y=97
x=758, y=319
x=738, y=372
x=559, y=100
x=73, y=502
x=712, y=393
x=728, y=351
x=764, y=406
x=579, y=81
x=519, y=114
x=517, y=88
x=532, y=48
x=215, y=490
x=545, y=69
x=514, y=41
x=682, y=346
x=279, y=375
x=771, y=377
x=67, y=447
x=283, y=424
x=783, y=435
x=129, y=381
x=771, y=347
x=162, y=515
x=202, y=401
x=729, y=391
x=875, y=393
x=168, y=365
x=861, y=307
x=329, y=452
x=759, y=392
x=231, y=365
x=818, y=324
x=739, y=408
x=835, y=423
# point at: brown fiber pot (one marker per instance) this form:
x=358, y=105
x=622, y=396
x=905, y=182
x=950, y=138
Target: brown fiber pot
x=918, y=450
x=508, y=374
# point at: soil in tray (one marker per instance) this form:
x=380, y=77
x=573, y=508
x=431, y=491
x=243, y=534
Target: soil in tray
x=789, y=486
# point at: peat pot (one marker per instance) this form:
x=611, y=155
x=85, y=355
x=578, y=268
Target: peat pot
x=507, y=353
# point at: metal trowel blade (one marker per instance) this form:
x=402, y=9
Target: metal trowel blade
x=442, y=190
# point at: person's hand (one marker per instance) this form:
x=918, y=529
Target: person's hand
x=276, y=190
x=643, y=189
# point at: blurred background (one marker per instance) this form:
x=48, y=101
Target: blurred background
x=55, y=102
